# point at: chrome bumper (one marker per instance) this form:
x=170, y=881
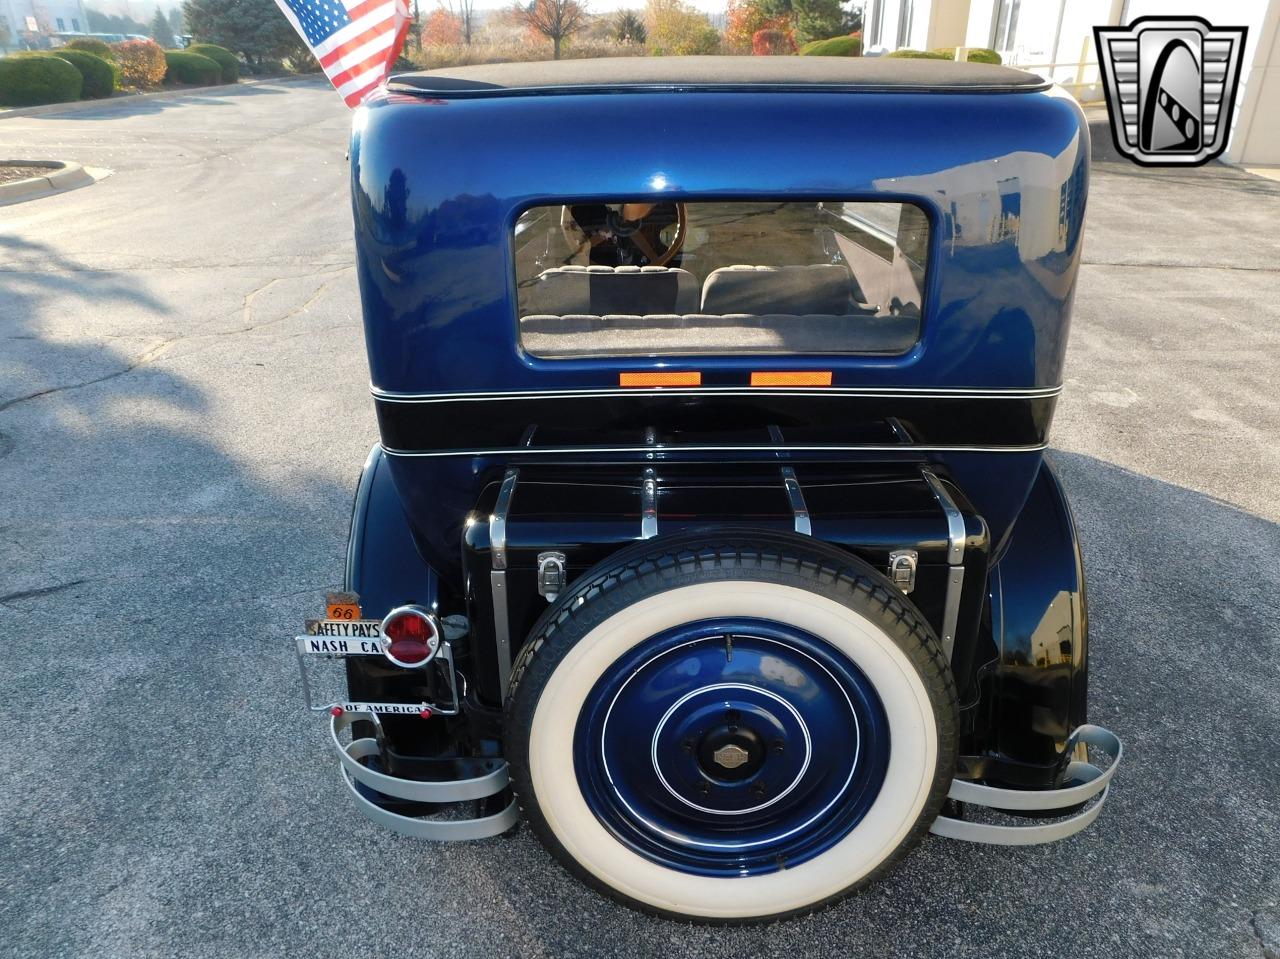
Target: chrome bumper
x=355, y=774
x=1087, y=782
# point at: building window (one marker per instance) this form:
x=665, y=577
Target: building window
x=75, y=24
x=905, y=13
x=1004, y=24
x=61, y=26
x=875, y=22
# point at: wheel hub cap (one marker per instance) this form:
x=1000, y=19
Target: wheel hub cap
x=699, y=748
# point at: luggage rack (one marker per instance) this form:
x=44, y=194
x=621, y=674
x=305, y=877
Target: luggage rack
x=901, y=568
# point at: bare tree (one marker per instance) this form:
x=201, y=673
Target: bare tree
x=464, y=10
x=554, y=19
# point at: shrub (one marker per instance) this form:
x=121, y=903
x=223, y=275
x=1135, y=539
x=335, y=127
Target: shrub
x=99, y=78
x=142, y=63
x=772, y=43
x=33, y=80
x=183, y=67
x=835, y=47
x=976, y=55
x=919, y=55
x=224, y=58
x=89, y=45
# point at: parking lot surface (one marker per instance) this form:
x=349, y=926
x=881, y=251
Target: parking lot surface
x=184, y=410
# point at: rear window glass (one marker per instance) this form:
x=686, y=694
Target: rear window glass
x=669, y=279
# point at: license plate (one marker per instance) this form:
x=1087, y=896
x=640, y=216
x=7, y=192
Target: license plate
x=337, y=637
x=385, y=709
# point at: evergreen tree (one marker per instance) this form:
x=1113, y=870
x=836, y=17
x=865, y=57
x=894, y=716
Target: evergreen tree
x=255, y=28
x=161, y=32
x=175, y=22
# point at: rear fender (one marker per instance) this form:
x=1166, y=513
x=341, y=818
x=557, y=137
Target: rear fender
x=383, y=562
x=1038, y=687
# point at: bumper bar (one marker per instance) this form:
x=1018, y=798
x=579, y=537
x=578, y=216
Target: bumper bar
x=356, y=774
x=1088, y=781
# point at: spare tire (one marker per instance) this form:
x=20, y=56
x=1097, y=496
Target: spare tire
x=731, y=726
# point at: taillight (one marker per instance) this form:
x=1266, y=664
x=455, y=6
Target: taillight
x=410, y=636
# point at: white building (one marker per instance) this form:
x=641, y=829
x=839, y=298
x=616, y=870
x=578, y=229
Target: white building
x=1055, y=38
x=30, y=20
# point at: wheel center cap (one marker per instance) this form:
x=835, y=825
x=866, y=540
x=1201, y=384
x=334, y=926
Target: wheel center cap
x=731, y=756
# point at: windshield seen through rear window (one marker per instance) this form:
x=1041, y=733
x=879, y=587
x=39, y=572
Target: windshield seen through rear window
x=665, y=279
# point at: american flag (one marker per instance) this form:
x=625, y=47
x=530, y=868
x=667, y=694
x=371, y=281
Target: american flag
x=356, y=41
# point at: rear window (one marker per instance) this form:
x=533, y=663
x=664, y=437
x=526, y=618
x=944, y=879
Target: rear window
x=670, y=279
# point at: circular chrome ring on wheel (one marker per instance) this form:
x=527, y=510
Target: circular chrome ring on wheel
x=765, y=747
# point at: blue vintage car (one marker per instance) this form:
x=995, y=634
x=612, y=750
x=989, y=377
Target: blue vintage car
x=710, y=530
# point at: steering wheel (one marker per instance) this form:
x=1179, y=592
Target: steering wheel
x=626, y=233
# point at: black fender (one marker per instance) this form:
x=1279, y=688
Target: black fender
x=384, y=564
x=1036, y=689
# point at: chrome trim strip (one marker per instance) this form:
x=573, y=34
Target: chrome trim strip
x=498, y=575
x=498, y=519
x=951, y=609
x=1091, y=781
x=956, y=534
x=649, y=505
x=560, y=450
x=355, y=535
x=959, y=392
x=795, y=495
x=501, y=626
x=798, y=508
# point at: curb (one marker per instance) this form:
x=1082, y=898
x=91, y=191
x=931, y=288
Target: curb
x=60, y=178
x=111, y=103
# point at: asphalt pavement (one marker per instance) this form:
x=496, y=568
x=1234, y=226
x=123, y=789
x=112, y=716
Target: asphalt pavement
x=184, y=410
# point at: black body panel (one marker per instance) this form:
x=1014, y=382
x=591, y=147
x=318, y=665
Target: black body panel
x=735, y=418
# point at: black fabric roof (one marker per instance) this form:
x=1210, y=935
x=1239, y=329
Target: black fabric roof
x=751, y=73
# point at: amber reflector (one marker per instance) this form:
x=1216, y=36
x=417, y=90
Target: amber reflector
x=791, y=379
x=688, y=378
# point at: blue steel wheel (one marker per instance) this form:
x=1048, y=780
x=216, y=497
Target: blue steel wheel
x=731, y=729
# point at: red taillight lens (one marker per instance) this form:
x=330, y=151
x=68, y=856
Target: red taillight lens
x=409, y=636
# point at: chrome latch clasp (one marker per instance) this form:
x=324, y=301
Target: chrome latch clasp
x=902, y=568
x=551, y=575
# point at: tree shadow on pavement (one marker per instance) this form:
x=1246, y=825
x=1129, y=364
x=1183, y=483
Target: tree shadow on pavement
x=159, y=546
x=119, y=107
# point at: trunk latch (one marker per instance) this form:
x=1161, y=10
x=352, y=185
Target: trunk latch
x=902, y=568
x=551, y=575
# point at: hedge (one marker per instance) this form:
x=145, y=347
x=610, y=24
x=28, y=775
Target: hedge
x=32, y=80
x=835, y=47
x=98, y=48
x=141, y=62
x=99, y=78
x=976, y=54
x=184, y=67
x=225, y=59
x=919, y=55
